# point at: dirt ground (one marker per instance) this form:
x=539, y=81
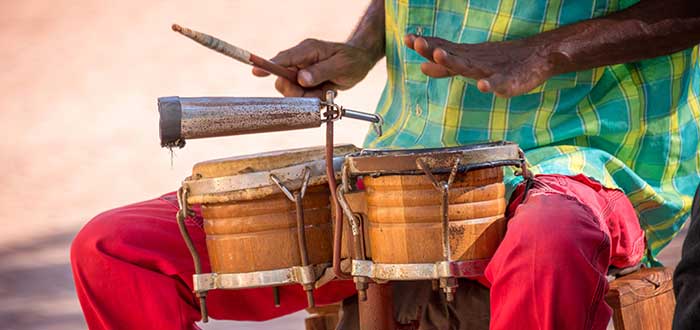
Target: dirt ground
x=78, y=114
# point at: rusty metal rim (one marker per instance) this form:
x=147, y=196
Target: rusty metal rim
x=423, y=271
x=290, y=176
x=304, y=275
x=441, y=160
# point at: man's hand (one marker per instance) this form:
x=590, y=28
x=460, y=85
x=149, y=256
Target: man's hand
x=322, y=66
x=645, y=30
x=507, y=68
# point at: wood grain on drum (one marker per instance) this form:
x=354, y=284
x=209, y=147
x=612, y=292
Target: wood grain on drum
x=258, y=235
x=403, y=213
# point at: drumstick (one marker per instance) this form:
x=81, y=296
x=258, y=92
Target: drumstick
x=236, y=53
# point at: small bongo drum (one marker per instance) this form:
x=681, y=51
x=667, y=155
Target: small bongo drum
x=267, y=219
x=429, y=214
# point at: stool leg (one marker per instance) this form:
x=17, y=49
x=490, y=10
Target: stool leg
x=377, y=312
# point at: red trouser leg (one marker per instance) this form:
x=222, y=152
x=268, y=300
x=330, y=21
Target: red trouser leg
x=132, y=270
x=549, y=271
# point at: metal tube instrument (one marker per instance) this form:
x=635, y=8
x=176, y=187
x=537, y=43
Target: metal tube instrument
x=183, y=118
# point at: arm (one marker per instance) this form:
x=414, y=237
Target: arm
x=645, y=30
x=370, y=33
x=325, y=65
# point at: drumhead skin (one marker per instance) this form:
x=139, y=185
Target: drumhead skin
x=248, y=177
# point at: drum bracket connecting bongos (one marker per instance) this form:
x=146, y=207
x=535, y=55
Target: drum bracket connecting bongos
x=397, y=188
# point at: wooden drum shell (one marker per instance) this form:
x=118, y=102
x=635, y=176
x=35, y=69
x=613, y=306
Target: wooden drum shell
x=404, y=222
x=259, y=235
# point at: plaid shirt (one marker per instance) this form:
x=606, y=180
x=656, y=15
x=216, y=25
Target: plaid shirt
x=632, y=126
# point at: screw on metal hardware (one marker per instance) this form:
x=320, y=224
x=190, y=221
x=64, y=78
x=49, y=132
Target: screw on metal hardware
x=524, y=171
x=276, y=296
x=448, y=284
x=336, y=112
x=297, y=198
x=332, y=110
x=182, y=214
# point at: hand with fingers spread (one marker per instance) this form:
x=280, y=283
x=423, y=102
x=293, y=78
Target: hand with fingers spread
x=508, y=68
x=321, y=65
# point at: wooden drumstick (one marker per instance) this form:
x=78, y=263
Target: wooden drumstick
x=236, y=53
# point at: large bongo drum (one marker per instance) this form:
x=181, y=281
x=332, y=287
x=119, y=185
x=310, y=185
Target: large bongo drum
x=267, y=218
x=428, y=214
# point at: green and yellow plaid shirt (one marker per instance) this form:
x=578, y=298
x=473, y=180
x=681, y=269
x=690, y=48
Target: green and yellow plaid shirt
x=632, y=126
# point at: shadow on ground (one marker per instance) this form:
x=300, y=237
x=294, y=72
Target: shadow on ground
x=37, y=290
x=37, y=286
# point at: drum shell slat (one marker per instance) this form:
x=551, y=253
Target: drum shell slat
x=404, y=217
x=421, y=242
x=261, y=234
x=409, y=213
x=398, y=197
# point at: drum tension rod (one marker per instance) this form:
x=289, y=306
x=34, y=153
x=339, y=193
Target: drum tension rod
x=448, y=284
x=297, y=198
x=182, y=214
x=332, y=114
x=361, y=282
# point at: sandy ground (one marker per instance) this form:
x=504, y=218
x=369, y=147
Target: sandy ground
x=78, y=87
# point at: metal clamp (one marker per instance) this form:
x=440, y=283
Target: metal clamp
x=414, y=272
x=524, y=170
x=304, y=275
x=447, y=283
x=361, y=283
x=354, y=222
x=336, y=112
x=297, y=198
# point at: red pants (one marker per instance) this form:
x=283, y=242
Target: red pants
x=133, y=271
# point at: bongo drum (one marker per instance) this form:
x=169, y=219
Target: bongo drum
x=267, y=218
x=429, y=214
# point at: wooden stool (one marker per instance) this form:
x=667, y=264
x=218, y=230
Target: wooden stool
x=322, y=317
x=643, y=300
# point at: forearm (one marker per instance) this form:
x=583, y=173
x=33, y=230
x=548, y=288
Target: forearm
x=370, y=31
x=646, y=30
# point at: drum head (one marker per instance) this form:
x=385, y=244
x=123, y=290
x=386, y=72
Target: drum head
x=440, y=160
x=248, y=177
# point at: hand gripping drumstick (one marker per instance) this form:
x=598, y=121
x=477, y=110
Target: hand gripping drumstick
x=236, y=53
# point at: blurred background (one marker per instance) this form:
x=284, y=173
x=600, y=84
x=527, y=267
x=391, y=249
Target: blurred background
x=78, y=87
x=79, y=120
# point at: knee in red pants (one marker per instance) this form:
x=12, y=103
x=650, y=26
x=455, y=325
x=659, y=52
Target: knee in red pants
x=129, y=267
x=549, y=271
x=132, y=270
